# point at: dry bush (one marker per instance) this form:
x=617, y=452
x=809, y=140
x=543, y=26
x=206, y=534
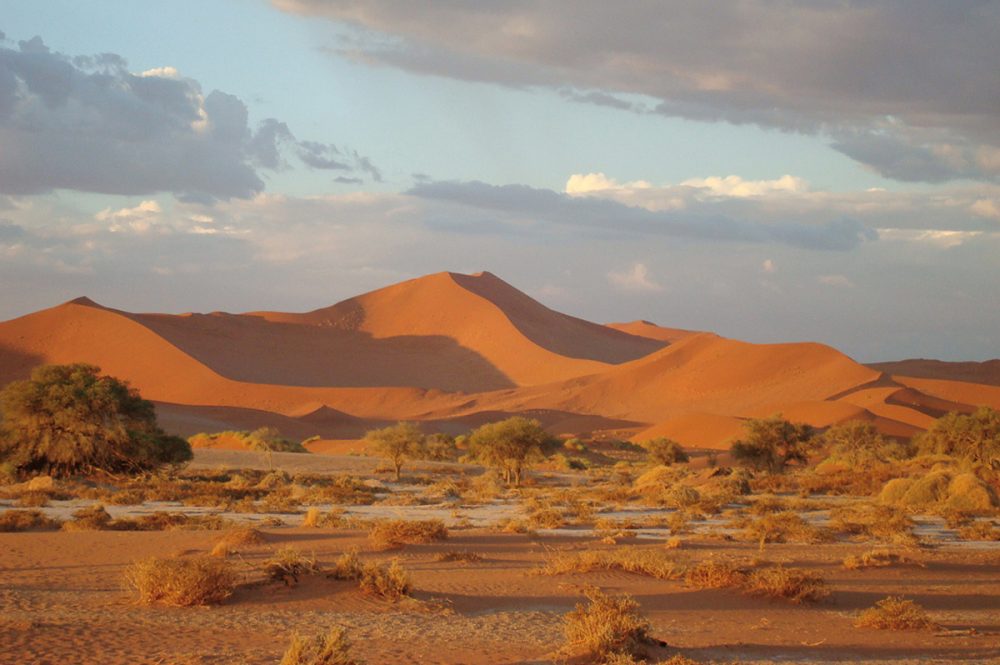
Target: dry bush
x=797, y=586
x=880, y=522
x=463, y=556
x=714, y=574
x=237, y=538
x=784, y=527
x=32, y=499
x=312, y=518
x=163, y=521
x=26, y=520
x=181, y=582
x=607, y=626
x=673, y=543
x=642, y=561
x=391, y=534
x=288, y=565
x=895, y=613
x=876, y=558
x=93, y=518
x=970, y=495
x=980, y=530
x=678, y=522
x=390, y=582
x=546, y=518
x=331, y=648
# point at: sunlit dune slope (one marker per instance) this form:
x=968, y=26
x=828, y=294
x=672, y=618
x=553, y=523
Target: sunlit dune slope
x=652, y=331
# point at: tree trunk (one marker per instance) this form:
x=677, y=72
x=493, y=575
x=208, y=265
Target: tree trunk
x=398, y=467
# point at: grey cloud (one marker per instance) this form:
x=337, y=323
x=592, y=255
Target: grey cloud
x=88, y=124
x=9, y=230
x=819, y=67
x=604, y=215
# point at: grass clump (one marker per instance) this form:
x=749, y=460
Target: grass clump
x=235, y=539
x=26, y=520
x=778, y=582
x=93, y=518
x=784, y=527
x=389, y=582
x=461, y=556
x=714, y=574
x=895, y=613
x=392, y=534
x=642, y=561
x=181, y=582
x=607, y=627
x=288, y=564
x=876, y=558
x=330, y=648
x=980, y=530
x=879, y=522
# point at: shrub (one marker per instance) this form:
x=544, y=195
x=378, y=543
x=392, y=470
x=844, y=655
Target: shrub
x=509, y=446
x=895, y=613
x=397, y=444
x=181, y=582
x=784, y=527
x=884, y=523
x=975, y=436
x=607, y=626
x=893, y=491
x=772, y=443
x=968, y=494
x=67, y=419
x=392, y=534
x=94, y=518
x=796, y=586
x=665, y=451
x=981, y=530
x=236, y=538
x=331, y=648
x=713, y=574
x=642, y=561
x=859, y=444
x=463, y=556
x=390, y=583
x=288, y=565
x=877, y=558
x=26, y=520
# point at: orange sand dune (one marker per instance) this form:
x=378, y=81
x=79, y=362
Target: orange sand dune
x=652, y=331
x=818, y=414
x=702, y=373
x=987, y=372
x=877, y=401
x=973, y=394
x=696, y=430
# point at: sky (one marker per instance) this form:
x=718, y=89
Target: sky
x=771, y=171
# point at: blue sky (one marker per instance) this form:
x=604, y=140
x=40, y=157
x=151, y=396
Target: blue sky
x=743, y=171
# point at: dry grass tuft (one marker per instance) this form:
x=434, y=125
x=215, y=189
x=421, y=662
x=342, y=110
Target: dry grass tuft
x=390, y=582
x=288, y=565
x=876, y=558
x=789, y=584
x=26, y=520
x=462, y=556
x=714, y=574
x=331, y=648
x=642, y=561
x=93, y=518
x=783, y=527
x=980, y=530
x=895, y=613
x=880, y=522
x=181, y=582
x=608, y=626
x=392, y=534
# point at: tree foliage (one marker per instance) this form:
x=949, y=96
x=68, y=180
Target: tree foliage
x=509, y=446
x=68, y=419
x=974, y=436
x=397, y=443
x=665, y=451
x=772, y=443
x=860, y=444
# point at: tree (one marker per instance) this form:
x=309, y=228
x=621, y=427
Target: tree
x=771, y=443
x=860, y=444
x=68, y=419
x=665, y=451
x=509, y=445
x=397, y=443
x=974, y=436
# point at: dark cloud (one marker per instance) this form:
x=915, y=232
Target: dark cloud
x=838, y=234
x=9, y=230
x=87, y=123
x=822, y=66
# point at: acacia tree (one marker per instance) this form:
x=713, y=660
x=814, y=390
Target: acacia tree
x=665, y=451
x=974, y=436
x=771, y=443
x=397, y=443
x=68, y=419
x=509, y=446
x=860, y=444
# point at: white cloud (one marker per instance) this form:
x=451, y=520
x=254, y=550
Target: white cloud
x=735, y=186
x=161, y=72
x=939, y=237
x=836, y=280
x=139, y=219
x=634, y=279
x=985, y=208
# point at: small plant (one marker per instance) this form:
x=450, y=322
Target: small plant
x=331, y=648
x=390, y=583
x=782, y=527
x=981, y=530
x=393, y=534
x=796, y=586
x=607, y=626
x=237, y=538
x=713, y=574
x=26, y=520
x=462, y=556
x=877, y=558
x=644, y=561
x=181, y=582
x=895, y=613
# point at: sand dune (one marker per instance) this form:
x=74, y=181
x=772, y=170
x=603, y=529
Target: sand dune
x=987, y=372
x=454, y=351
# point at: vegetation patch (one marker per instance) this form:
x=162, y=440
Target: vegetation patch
x=895, y=613
x=797, y=586
x=641, y=561
x=607, y=626
x=330, y=648
x=392, y=534
x=181, y=582
x=26, y=520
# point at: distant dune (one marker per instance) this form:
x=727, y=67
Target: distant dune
x=452, y=351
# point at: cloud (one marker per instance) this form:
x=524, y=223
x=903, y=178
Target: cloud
x=140, y=218
x=835, y=280
x=736, y=186
x=87, y=123
x=635, y=278
x=768, y=266
x=899, y=86
x=985, y=208
x=609, y=216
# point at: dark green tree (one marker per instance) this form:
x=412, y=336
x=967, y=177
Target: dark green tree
x=772, y=443
x=68, y=419
x=509, y=446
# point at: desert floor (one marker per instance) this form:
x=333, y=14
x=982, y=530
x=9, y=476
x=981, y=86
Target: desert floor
x=62, y=600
